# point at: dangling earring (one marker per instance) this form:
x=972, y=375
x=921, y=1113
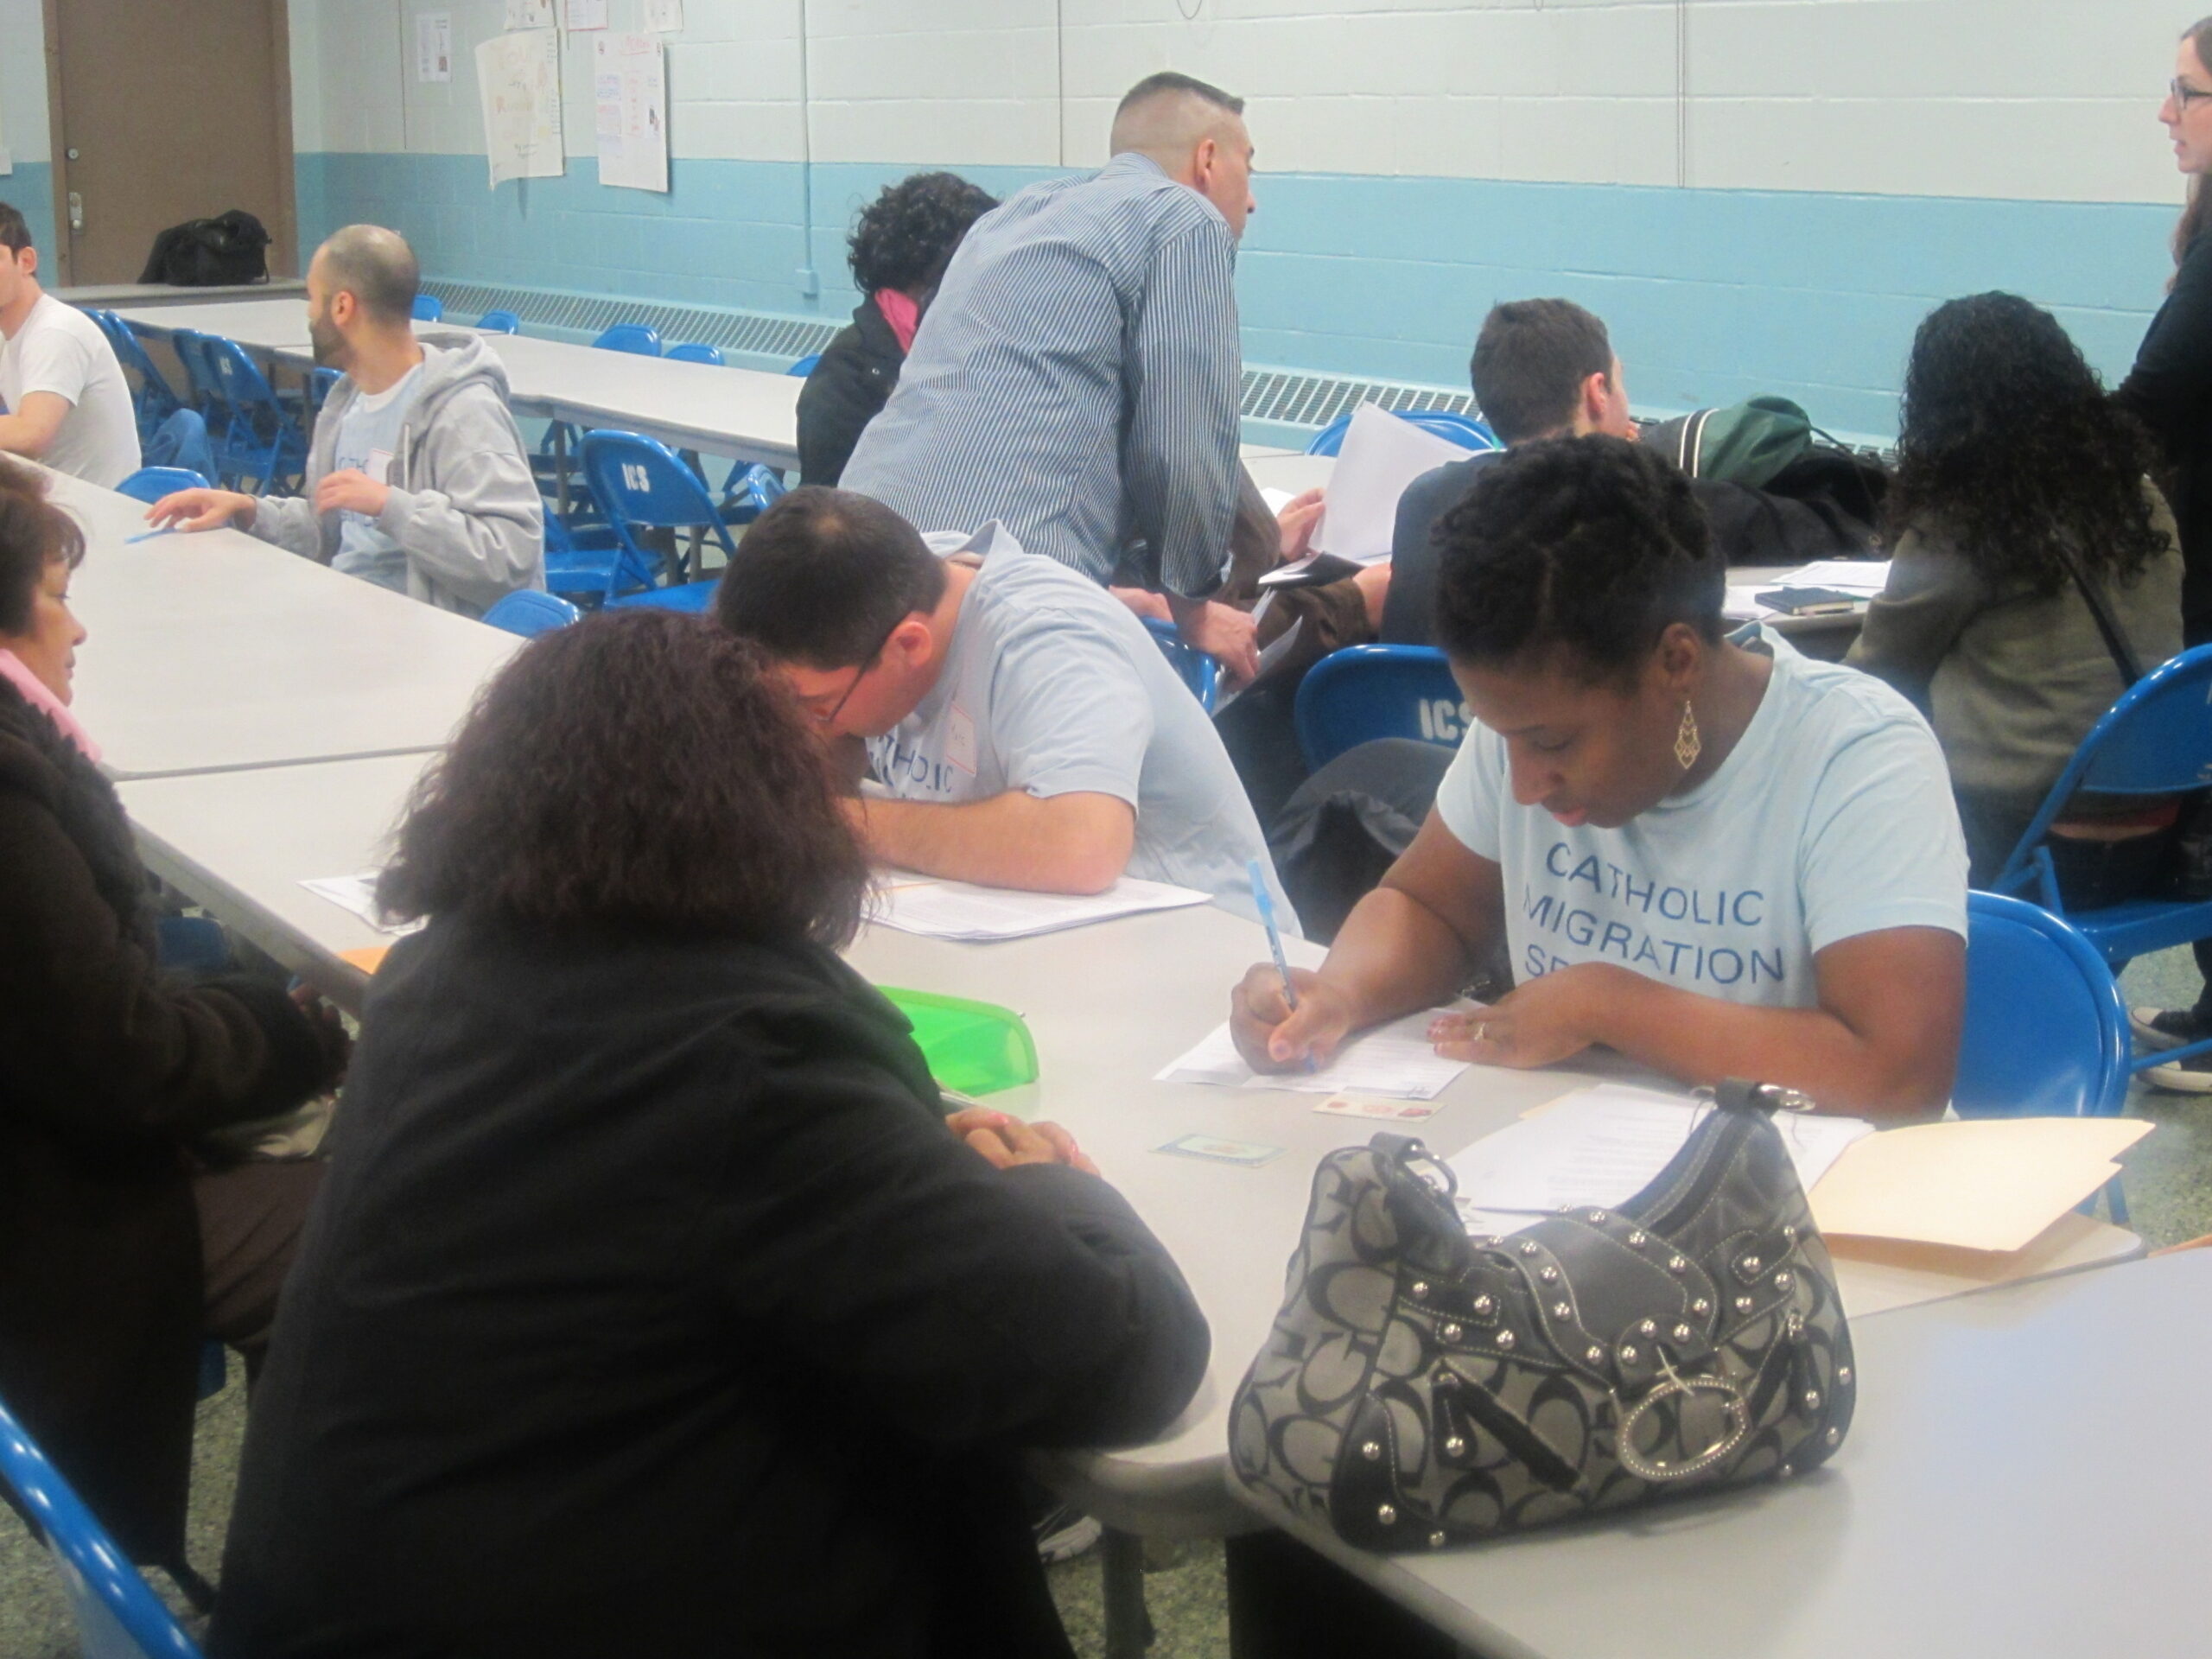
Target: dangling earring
x=1687, y=744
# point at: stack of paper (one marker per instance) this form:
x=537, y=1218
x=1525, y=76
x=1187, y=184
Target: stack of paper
x=1867, y=577
x=955, y=910
x=1381, y=455
x=1397, y=1060
x=1602, y=1146
x=359, y=894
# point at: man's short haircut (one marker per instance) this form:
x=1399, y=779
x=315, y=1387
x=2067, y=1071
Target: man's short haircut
x=377, y=267
x=1531, y=362
x=823, y=577
x=14, y=235
x=1167, y=113
x=1577, y=551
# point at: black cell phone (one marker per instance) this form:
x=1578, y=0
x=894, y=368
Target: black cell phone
x=1810, y=601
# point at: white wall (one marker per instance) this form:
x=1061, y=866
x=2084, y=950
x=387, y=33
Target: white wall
x=2004, y=98
x=23, y=81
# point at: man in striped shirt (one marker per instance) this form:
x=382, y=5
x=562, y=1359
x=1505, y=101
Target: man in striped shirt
x=1077, y=376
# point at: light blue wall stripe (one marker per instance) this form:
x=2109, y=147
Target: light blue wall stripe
x=1713, y=296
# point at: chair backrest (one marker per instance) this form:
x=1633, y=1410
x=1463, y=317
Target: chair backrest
x=153, y=396
x=805, y=366
x=180, y=441
x=695, y=350
x=150, y=484
x=1363, y=692
x=118, y=1614
x=2046, y=1033
x=320, y=384
x=749, y=491
x=2157, y=739
x=200, y=387
x=1192, y=666
x=639, y=481
x=632, y=337
x=238, y=379
x=1462, y=430
x=500, y=322
x=428, y=307
x=529, y=613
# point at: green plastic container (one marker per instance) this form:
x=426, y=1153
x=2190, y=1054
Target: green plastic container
x=978, y=1048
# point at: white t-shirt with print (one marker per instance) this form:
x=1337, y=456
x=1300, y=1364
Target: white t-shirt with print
x=60, y=350
x=1832, y=817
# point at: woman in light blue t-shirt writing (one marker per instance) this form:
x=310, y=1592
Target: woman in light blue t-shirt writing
x=1708, y=853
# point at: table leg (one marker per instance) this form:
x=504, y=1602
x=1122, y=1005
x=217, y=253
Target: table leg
x=561, y=469
x=1128, y=1621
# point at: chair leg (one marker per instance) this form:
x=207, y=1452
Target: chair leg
x=2116, y=1202
x=1128, y=1621
x=197, y=1590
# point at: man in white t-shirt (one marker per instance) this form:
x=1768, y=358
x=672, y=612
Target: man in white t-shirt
x=1025, y=728
x=1706, y=852
x=69, y=404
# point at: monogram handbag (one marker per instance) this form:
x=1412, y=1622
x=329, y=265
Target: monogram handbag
x=1423, y=1388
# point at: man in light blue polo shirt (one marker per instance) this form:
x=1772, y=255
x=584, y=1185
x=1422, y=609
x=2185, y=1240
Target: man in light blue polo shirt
x=1024, y=725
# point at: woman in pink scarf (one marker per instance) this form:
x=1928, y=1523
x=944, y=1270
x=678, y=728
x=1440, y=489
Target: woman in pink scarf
x=901, y=246
x=123, y=1241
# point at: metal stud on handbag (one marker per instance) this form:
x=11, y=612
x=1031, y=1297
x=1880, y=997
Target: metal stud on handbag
x=1422, y=1387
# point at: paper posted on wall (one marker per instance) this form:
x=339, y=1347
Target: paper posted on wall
x=432, y=46
x=583, y=14
x=665, y=16
x=529, y=14
x=519, y=79
x=630, y=91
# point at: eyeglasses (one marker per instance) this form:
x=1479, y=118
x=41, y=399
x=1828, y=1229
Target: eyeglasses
x=868, y=667
x=2183, y=95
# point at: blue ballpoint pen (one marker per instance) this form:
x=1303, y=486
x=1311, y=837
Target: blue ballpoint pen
x=1266, y=902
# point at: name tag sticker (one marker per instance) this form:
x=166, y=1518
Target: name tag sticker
x=379, y=466
x=960, y=740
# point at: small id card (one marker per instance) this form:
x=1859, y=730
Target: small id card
x=1397, y=1111
x=378, y=467
x=1251, y=1153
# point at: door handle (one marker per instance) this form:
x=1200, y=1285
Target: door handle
x=76, y=211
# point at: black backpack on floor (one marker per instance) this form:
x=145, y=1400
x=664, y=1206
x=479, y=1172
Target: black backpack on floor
x=217, y=252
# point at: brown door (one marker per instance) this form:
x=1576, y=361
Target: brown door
x=165, y=110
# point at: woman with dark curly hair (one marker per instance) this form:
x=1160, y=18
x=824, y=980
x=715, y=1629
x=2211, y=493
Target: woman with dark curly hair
x=1699, y=849
x=901, y=246
x=124, y=1240
x=2018, y=483
x=653, y=1304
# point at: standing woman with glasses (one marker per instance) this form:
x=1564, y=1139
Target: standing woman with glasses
x=2171, y=389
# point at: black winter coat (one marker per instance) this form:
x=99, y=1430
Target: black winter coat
x=849, y=388
x=2171, y=389
x=650, y=1308
x=107, y=1071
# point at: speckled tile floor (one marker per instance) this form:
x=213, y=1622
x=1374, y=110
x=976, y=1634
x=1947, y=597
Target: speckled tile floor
x=2169, y=1187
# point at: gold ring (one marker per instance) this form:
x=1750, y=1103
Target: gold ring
x=1482, y=1031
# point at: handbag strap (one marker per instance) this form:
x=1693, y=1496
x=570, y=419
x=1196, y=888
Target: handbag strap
x=2122, y=657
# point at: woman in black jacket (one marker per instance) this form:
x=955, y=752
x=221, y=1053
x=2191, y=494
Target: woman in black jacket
x=650, y=1305
x=901, y=246
x=2170, y=388
x=120, y=1247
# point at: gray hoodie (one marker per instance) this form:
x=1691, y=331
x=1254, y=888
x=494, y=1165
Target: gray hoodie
x=464, y=507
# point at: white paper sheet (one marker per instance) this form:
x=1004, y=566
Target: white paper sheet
x=359, y=894
x=529, y=14
x=1270, y=654
x=518, y=77
x=432, y=46
x=955, y=910
x=1602, y=1145
x=1395, y=1060
x=1381, y=455
x=1865, y=576
x=1743, y=604
x=630, y=98
x=583, y=14
x=665, y=16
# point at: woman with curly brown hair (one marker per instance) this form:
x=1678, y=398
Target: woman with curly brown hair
x=653, y=1305
x=901, y=246
x=2021, y=492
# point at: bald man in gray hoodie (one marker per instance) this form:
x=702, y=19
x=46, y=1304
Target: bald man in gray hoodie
x=416, y=479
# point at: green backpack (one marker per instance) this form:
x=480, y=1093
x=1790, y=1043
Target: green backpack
x=1747, y=443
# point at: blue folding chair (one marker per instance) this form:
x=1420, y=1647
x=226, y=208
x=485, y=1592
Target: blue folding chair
x=320, y=384
x=695, y=350
x=1462, y=430
x=152, y=398
x=500, y=322
x=2045, y=1032
x=749, y=491
x=200, y=390
x=805, y=366
x=640, y=483
x=259, y=439
x=428, y=307
x=529, y=613
x=116, y=1613
x=150, y=484
x=554, y=465
x=1192, y=666
x=1363, y=692
x=2156, y=740
x=181, y=441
